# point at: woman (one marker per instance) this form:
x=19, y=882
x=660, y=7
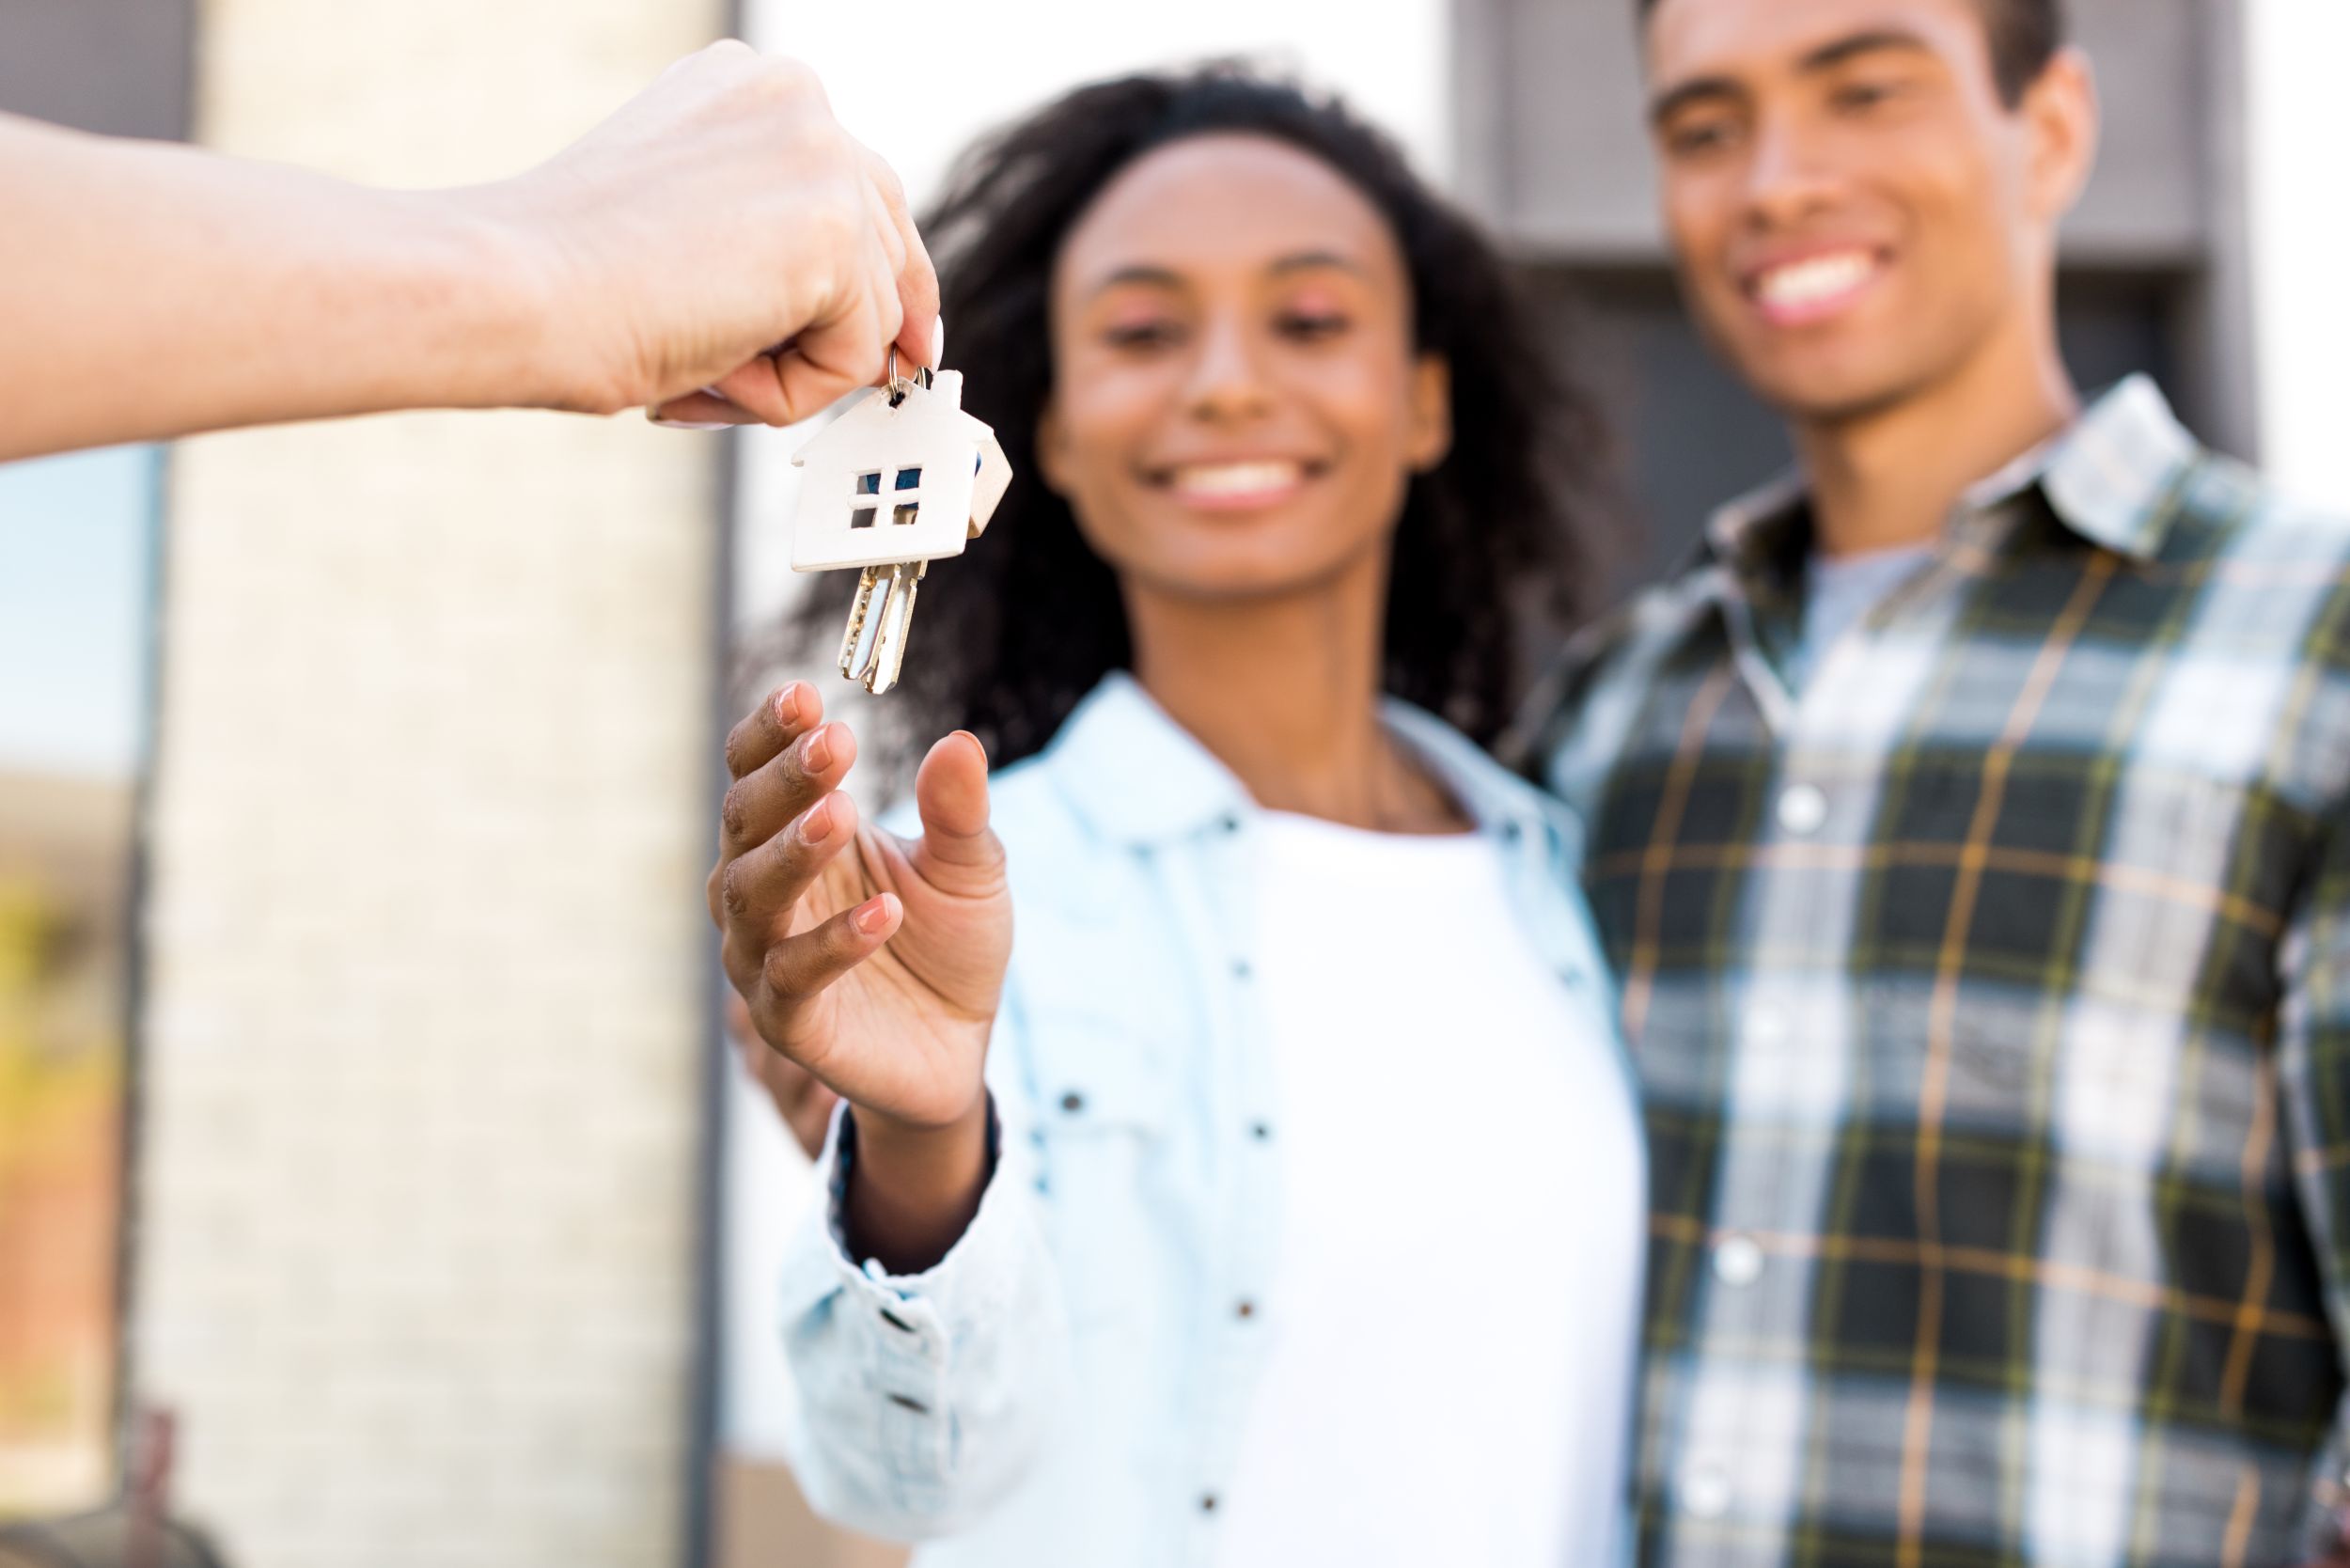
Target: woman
x=1276, y=1197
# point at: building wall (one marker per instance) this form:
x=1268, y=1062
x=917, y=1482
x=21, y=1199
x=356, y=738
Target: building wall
x=425, y=1022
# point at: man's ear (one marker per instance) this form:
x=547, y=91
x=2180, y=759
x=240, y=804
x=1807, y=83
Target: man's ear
x=1431, y=436
x=2062, y=117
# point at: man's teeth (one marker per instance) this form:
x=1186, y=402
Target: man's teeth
x=1237, y=479
x=1822, y=277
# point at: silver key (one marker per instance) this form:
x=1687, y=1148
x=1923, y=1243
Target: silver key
x=874, y=661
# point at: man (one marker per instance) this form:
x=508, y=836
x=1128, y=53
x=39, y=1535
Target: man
x=718, y=251
x=1968, y=826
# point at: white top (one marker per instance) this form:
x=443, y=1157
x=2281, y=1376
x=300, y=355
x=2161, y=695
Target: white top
x=1409, y=1013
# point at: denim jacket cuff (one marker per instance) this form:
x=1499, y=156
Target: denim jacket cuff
x=922, y=1310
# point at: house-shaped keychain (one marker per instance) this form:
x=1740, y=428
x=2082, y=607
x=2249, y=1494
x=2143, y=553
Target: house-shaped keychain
x=902, y=475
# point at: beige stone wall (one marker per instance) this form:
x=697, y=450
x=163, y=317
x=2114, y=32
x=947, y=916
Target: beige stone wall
x=422, y=1034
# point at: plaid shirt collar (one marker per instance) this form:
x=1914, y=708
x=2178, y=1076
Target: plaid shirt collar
x=2102, y=478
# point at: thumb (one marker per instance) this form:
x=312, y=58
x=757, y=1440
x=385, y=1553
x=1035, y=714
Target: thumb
x=958, y=852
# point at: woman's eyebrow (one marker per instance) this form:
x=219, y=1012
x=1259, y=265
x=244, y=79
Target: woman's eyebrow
x=1306, y=260
x=1138, y=273
x=1146, y=275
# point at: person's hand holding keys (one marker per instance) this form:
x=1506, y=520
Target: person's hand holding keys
x=743, y=258
x=718, y=250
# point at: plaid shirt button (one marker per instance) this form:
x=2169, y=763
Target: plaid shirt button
x=1765, y=1025
x=1803, y=809
x=1738, y=1261
x=1705, y=1493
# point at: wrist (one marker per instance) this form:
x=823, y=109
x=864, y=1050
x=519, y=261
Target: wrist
x=535, y=341
x=920, y=1163
x=913, y=1189
x=880, y=1127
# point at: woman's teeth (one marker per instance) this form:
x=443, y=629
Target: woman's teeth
x=1227, y=480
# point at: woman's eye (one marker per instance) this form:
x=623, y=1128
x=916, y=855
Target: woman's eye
x=1142, y=334
x=1312, y=326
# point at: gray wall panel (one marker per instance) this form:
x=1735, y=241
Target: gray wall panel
x=116, y=66
x=1554, y=147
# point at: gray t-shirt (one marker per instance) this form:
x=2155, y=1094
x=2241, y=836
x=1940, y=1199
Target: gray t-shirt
x=1839, y=589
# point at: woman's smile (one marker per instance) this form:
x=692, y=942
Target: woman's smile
x=1237, y=484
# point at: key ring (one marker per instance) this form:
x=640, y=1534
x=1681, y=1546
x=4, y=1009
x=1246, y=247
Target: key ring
x=899, y=386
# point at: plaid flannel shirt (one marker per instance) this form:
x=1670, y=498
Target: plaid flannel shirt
x=1991, y=999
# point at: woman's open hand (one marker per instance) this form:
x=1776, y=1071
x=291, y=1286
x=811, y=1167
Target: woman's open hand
x=875, y=964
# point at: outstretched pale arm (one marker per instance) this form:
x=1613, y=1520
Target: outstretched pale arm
x=152, y=291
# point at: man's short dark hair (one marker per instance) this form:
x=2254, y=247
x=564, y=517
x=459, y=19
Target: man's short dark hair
x=2025, y=37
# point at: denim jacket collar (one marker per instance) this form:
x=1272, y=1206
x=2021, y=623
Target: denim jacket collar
x=1140, y=778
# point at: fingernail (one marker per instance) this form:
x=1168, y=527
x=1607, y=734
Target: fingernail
x=787, y=704
x=938, y=343
x=874, y=916
x=818, y=752
x=816, y=826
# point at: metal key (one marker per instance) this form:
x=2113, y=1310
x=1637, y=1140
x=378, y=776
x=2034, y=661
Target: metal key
x=884, y=653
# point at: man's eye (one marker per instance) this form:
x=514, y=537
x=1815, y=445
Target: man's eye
x=1859, y=97
x=1693, y=138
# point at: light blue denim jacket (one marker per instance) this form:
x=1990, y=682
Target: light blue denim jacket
x=1068, y=1385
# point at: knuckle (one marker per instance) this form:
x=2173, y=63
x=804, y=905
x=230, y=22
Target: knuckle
x=793, y=75
x=794, y=85
x=734, y=810
x=742, y=975
x=885, y=178
x=733, y=891
x=840, y=940
x=837, y=225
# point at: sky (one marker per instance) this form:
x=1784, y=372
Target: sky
x=2300, y=229
x=76, y=548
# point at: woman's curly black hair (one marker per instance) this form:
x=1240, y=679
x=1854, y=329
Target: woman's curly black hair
x=1492, y=551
